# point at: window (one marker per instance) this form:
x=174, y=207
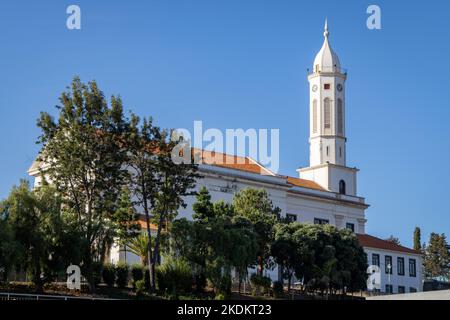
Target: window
x=376, y=259
x=388, y=264
x=340, y=117
x=401, y=266
x=401, y=289
x=327, y=86
x=291, y=217
x=342, y=187
x=350, y=226
x=314, y=116
x=327, y=113
x=321, y=221
x=340, y=152
x=328, y=151
x=412, y=290
x=412, y=267
x=389, y=289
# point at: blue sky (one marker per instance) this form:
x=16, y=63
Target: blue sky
x=242, y=64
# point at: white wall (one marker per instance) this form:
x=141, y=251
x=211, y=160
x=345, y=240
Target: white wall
x=397, y=280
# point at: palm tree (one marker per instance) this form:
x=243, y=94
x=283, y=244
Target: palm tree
x=139, y=246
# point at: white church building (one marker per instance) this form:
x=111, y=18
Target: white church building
x=325, y=192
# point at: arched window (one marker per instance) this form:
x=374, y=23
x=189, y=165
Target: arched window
x=342, y=187
x=340, y=117
x=314, y=116
x=327, y=113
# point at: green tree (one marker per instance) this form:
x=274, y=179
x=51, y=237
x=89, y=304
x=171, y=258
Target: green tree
x=417, y=240
x=255, y=205
x=158, y=184
x=46, y=240
x=8, y=246
x=126, y=219
x=394, y=240
x=216, y=242
x=437, y=257
x=325, y=258
x=83, y=156
x=291, y=250
x=139, y=246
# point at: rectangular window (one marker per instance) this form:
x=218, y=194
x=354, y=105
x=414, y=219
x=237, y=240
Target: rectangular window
x=327, y=86
x=314, y=116
x=388, y=264
x=376, y=259
x=321, y=221
x=327, y=113
x=401, y=266
x=412, y=290
x=350, y=226
x=401, y=289
x=389, y=288
x=340, y=117
x=412, y=267
x=291, y=217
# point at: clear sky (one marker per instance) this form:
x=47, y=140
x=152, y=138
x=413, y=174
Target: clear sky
x=242, y=64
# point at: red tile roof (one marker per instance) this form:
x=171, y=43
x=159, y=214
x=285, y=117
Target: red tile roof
x=231, y=161
x=304, y=183
x=373, y=242
x=249, y=165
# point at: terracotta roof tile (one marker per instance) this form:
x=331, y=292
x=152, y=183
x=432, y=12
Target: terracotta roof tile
x=373, y=242
x=304, y=183
x=231, y=161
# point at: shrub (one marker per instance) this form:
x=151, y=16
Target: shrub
x=122, y=270
x=137, y=273
x=174, y=276
x=109, y=274
x=97, y=269
x=260, y=284
x=219, y=296
x=139, y=287
x=278, y=289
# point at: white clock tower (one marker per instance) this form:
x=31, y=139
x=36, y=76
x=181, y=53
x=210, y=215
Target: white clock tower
x=327, y=124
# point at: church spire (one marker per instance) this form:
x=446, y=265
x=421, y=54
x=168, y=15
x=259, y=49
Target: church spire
x=325, y=31
x=326, y=59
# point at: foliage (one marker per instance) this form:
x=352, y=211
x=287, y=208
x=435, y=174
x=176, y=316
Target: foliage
x=45, y=241
x=83, y=155
x=126, y=218
x=137, y=273
x=394, y=240
x=260, y=284
x=278, y=289
x=109, y=274
x=158, y=183
x=174, y=276
x=417, y=239
x=140, y=287
x=8, y=247
x=255, y=205
x=139, y=246
x=436, y=261
x=216, y=242
x=122, y=272
x=325, y=257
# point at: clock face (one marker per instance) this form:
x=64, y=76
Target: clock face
x=314, y=88
x=339, y=87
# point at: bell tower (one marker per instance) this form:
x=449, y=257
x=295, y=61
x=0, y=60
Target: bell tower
x=327, y=124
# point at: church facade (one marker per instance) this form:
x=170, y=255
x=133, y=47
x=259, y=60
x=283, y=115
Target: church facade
x=325, y=192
